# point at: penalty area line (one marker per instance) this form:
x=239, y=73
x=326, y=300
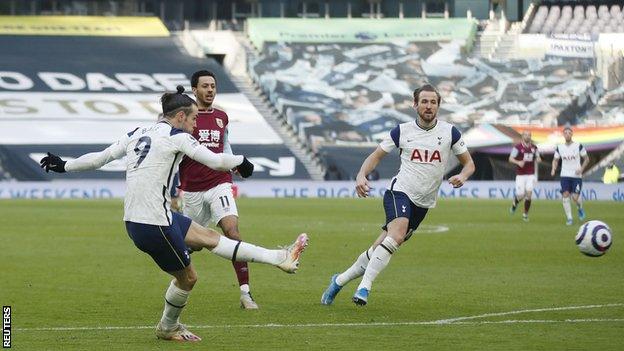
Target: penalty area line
x=467, y=320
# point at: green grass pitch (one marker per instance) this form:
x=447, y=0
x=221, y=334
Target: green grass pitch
x=75, y=281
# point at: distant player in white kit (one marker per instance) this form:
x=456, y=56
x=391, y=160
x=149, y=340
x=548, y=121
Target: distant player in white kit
x=425, y=147
x=153, y=155
x=571, y=153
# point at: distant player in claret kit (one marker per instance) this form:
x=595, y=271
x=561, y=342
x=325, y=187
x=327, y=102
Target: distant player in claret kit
x=425, y=148
x=207, y=193
x=525, y=156
x=571, y=153
x=153, y=155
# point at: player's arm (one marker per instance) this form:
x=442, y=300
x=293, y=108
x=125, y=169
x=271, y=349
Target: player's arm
x=512, y=157
x=86, y=162
x=467, y=170
x=362, y=187
x=227, y=148
x=459, y=148
x=585, y=158
x=388, y=143
x=555, y=162
x=221, y=162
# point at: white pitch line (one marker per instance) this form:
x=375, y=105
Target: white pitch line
x=549, y=309
x=529, y=321
x=450, y=321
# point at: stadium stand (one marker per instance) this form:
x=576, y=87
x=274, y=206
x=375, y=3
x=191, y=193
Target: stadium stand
x=341, y=98
x=375, y=83
x=584, y=20
x=66, y=95
x=352, y=94
x=610, y=108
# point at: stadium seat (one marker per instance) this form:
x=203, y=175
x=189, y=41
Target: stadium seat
x=577, y=20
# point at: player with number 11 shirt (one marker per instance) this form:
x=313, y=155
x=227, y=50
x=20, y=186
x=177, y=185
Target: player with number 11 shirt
x=207, y=193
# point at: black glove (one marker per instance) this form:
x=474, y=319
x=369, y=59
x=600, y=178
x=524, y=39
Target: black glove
x=246, y=168
x=53, y=163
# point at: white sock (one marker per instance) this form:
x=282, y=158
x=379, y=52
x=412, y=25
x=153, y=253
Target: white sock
x=356, y=270
x=378, y=261
x=245, y=252
x=579, y=202
x=244, y=288
x=175, y=300
x=567, y=208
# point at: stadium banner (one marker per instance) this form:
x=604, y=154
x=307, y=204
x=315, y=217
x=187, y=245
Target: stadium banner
x=109, y=26
x=358, y=30
x=93, y=189
x=272, y=161
x=570, y=46
x=93, y=118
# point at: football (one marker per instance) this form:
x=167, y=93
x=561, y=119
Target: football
x=594, y=238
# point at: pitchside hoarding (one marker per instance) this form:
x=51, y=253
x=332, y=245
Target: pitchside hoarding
x=90, y=189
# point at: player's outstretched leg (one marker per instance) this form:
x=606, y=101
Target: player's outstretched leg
x=356, y=270
x=286, y=259
x=339, y=280
x=378, y=261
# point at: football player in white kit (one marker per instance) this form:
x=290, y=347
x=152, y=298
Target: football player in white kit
x=425, y=147
x=153, y=155
x=572, y=170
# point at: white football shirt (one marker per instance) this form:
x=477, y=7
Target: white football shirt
x=424, y=155
x=570, y=156
x=153, y=155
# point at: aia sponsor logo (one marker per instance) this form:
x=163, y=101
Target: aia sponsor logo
x=425, y=156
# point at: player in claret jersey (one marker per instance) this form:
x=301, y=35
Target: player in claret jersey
x=207, y=193
x=425, y=147
x=524, y=155
x=152, y=157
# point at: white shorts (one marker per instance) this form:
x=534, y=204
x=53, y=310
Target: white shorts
x=212, y=205
x=525, y=183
